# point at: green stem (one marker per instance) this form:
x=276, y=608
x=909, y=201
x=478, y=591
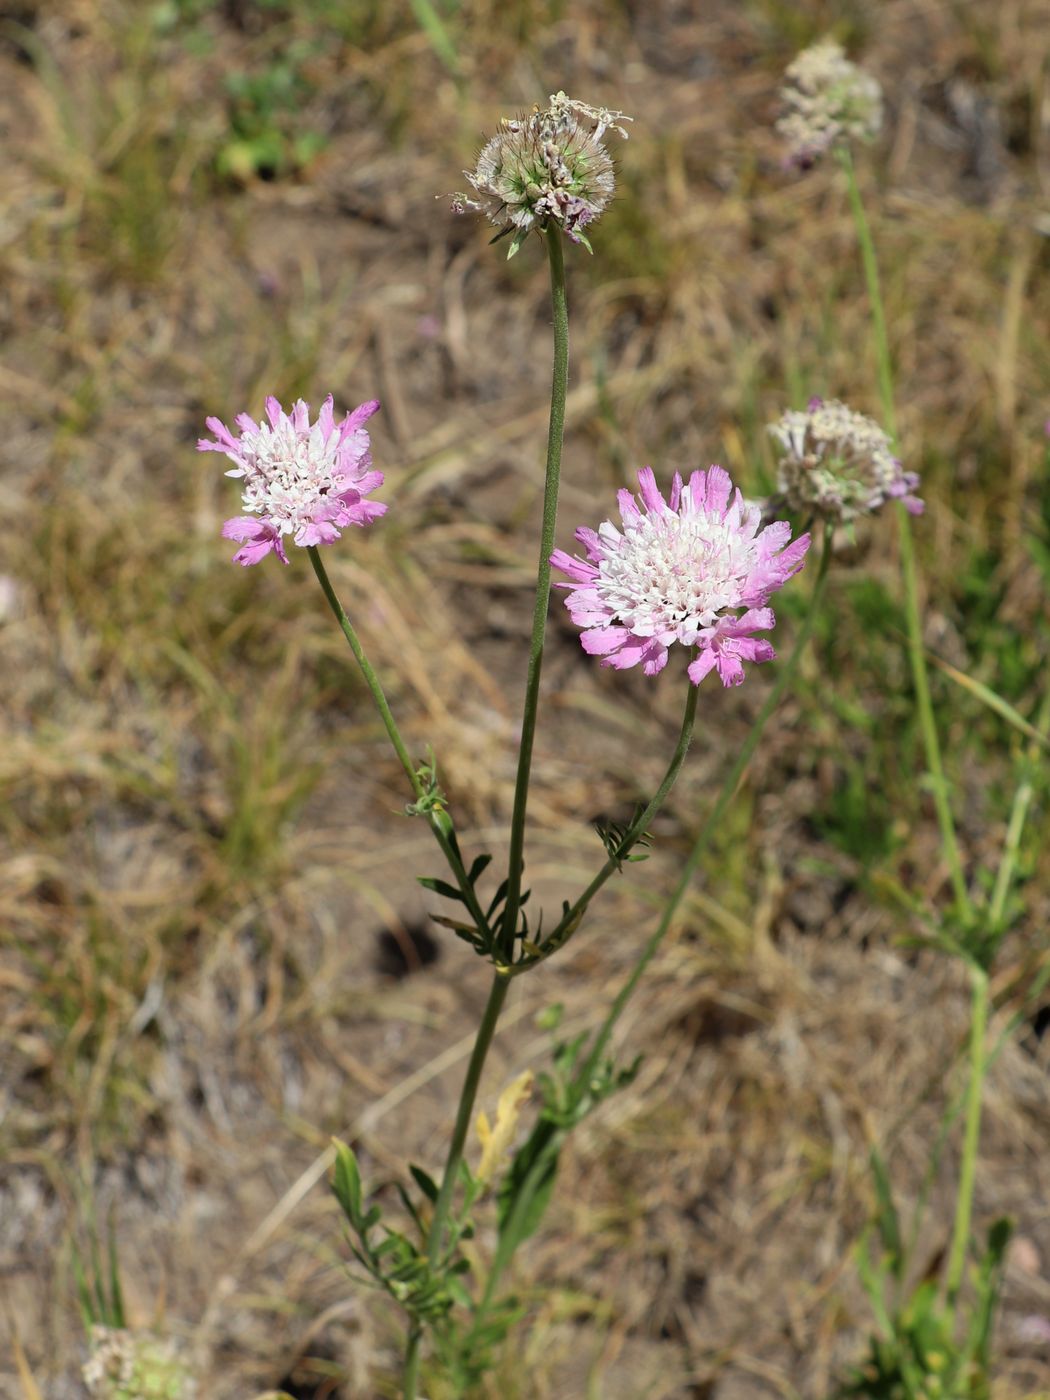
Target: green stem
x=971, y=1136
x=1018, y=816
x=443, y=837
x=555, y=433
x=469, y=1092
x=916, y=652
x=714, y=819
x=371, y=679
x=467, y=1096
x=411, y=1377
x=570, y=920
x=871, y=277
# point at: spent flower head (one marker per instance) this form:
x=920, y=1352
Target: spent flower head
x=838, y=464
x=827, y=100
x=135, y=1366
x=549, y=166
x=678, y=572
x=303, y=479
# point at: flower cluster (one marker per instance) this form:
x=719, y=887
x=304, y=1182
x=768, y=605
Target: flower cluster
x=300, y=479
x=677, y=572
x=827, y=100
x=549, y=166
x=838, y=464
x=135, y=1366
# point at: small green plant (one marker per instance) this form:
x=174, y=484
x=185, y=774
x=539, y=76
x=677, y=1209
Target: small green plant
x=265, y=112
x=125, y=1364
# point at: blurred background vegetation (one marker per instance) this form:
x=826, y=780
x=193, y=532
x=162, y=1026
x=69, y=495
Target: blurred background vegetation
x=213, y=955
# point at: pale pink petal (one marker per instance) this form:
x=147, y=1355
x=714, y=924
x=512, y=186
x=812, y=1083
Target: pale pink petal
x=325, y=420
x=274, y=411
x=730, y=667
x=703, y=664
x=590, y=541
x=360, y=415
x=652, y=497
x=601, y=640
x=628, y=506
x=316, y=532
x=577, y=569
x=226, y=439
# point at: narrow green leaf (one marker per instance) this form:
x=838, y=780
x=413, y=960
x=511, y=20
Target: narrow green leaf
x=992, y=700
x=347, y=1183
x=887, y=1219
x=476, y=870
x=426, y=1183
x=440, y=887
x=116, y=1293
x=516, y=242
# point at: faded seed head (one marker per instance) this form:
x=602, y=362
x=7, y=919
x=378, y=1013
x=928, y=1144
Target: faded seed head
x=547, y=166
x=827, y=100
x=135, y=1366
x=838, y=464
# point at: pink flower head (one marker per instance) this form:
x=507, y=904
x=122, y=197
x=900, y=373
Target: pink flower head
x=300, y=479
x=677, y=573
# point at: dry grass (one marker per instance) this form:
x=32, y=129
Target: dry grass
x=199, y=840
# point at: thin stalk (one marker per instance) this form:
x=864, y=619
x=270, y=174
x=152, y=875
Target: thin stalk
x=447, y=844
x=555, y=434
x=570, y=920
x=1018, y=816
x=725, y=796
x=971, y=1135
x=411, y=1377
x=469, y=1092
x=467, y=1096
x=916, y=651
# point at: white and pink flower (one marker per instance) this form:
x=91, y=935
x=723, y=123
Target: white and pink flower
x=680, y=571
x=307, y=480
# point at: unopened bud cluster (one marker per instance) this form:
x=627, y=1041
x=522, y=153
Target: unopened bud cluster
x=549, y=166
x=838, y=464
x=827, y=100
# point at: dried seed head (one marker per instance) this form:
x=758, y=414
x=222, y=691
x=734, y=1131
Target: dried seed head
x=135, y=1366
x=838, y=464
x=827, y=100
x=550, y=165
